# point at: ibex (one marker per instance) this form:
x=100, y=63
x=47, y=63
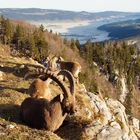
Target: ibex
x=58, y=63
x=40, y=113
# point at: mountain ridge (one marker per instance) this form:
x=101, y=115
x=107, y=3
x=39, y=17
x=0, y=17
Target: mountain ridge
x=129, y=28
x=62, y=14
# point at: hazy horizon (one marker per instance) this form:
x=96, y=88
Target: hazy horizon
x=71, y=10
x=87, y=5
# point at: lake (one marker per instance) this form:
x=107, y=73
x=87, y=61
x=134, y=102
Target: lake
x=82, y=30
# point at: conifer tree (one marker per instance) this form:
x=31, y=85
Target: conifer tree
x=5, y=30
x=18, y=36
x=8, y=31
x=72, y=45
x=33, y=49
x=77, y=43
x=41, y=28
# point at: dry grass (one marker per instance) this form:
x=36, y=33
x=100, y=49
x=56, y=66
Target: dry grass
x=136, y=103
x=12, y=92
x=13, y=89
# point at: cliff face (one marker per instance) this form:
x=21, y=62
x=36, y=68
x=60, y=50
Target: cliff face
x=110, y=121
x=96, y=117
x=101, y=119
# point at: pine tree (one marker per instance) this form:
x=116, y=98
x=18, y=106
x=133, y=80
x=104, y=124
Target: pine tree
x=41, y=43
x=5, y=30
x=72, y=45
x=8, y=31
x=32, y=47
x=77, y=43
x=89, y=52
x=41, y=28
x=20, y=38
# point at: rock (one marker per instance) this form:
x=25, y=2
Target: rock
x=2, y=133
x=134, y=122
x=1, y=75
x=22, y=66
x=90, y=131
x=110, y=133
x=10, y=126
x=95, y=64
x=82, y=88
x=100, y=108
x=88, y=113
x=124, y=89
x=110, y=121
x=118, y=111
x=115, y=125
x=1, y=65
x=33, y=61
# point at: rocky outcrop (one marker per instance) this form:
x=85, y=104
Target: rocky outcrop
x=109, y=121
x=124, y=89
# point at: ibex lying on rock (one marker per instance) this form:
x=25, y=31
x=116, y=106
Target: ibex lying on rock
x=58, y=63
x=40, y=113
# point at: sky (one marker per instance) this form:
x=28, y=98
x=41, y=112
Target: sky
x=75, y=5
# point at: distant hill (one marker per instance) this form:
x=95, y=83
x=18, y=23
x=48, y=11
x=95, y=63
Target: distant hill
x=120, y=30
x=50, y=14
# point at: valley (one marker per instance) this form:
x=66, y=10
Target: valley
x=77, y=25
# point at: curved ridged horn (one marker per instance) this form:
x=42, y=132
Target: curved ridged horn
x=55, y=78
x=37, y=72
x=70, y=78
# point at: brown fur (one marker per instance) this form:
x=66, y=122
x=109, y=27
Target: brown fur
x=40, y=89
x=40, y=113
x=58, y=63
x=73, y=67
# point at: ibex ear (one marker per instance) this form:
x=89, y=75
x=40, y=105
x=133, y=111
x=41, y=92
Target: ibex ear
x=61, y=97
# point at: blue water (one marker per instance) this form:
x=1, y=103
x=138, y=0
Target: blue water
x=84, y=33
x=90, y=32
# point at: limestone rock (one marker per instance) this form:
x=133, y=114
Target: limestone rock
x=110, y=121
x=134, y=122
x=1, y=75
